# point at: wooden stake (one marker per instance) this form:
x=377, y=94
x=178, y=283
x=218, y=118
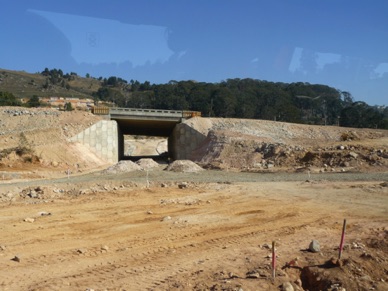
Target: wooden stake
x=148, y=182
x=273, y=260
x=342, y=240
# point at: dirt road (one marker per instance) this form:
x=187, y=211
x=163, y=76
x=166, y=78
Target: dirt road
x=212, y=235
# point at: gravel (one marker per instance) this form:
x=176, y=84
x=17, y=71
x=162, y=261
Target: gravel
x=208, y=176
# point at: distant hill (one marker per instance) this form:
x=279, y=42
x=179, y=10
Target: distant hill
x=24, y=85
x=299, y=102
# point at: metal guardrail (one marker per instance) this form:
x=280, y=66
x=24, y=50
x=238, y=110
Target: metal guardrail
x=137, y=111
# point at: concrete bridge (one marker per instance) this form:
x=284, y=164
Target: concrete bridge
x=152, y=122
x=106, y=137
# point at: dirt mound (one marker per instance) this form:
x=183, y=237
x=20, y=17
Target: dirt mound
x=147, y=164
x=123, y=167
x=185, y=166
x=259, y=145
x=45, y=132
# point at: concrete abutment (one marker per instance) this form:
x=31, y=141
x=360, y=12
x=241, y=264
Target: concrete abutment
x=103, y=138
x=107, y=141
x=183, y=141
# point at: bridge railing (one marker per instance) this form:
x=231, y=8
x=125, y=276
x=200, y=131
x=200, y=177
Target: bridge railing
x=137, y=111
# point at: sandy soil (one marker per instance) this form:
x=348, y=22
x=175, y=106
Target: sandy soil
x=153, y=229
x=203, y=236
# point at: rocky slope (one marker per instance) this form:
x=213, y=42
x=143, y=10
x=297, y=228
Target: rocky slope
x=257, y=145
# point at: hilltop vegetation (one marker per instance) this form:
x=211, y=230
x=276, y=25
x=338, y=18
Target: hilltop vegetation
x=233, y=98
x=46, y=84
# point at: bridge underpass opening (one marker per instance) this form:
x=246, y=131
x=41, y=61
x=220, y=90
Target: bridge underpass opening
x=144, y=138
x=141, y=146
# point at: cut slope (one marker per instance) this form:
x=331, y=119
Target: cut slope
x=46, y=132
x=268, y=145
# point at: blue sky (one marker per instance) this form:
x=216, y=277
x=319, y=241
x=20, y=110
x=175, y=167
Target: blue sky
x=340, y=43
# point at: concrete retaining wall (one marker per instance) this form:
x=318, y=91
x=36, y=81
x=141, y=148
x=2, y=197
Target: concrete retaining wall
x=183, y=141
x=102, y=137
x=107, y=141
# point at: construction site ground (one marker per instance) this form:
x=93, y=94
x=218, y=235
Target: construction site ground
x=71, y=224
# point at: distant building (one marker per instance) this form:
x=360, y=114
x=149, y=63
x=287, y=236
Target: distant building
x=59, y=102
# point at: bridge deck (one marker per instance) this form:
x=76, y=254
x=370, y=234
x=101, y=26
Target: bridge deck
x=146, y=112
x=151, y=122
x=100, y=110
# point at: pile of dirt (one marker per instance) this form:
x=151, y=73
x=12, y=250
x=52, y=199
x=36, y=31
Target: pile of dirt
x=184, y=166
x=147, y=164
x=129, y=166
x=123, y=167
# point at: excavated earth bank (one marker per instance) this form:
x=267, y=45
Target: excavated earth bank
x=70, y=221
x=259, y=145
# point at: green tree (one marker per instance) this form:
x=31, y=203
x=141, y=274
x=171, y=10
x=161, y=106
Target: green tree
x=33, y=102
x=68, y=106
x=134, y=85
x=223, y=103
x=347, y=98
x=361, y=115
x=8, y=99
x=46, y=72
x=145, y=86
x=140, y=100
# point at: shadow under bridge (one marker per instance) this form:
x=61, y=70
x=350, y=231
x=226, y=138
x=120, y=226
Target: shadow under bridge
x=153, y=122
x=149, y=122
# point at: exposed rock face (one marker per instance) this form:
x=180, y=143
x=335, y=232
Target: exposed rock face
x=259, y=145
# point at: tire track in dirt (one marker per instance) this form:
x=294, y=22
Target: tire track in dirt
x=146, y=276
x=145, y=252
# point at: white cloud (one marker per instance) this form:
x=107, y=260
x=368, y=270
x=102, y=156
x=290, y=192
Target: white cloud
x=255, y=60
x=380, y=70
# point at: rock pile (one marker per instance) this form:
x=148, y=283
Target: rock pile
x=223, y=150
x=20, y=112
x=263, y=145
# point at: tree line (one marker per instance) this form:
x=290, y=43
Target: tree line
x=248, y=98
x=298, y=102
